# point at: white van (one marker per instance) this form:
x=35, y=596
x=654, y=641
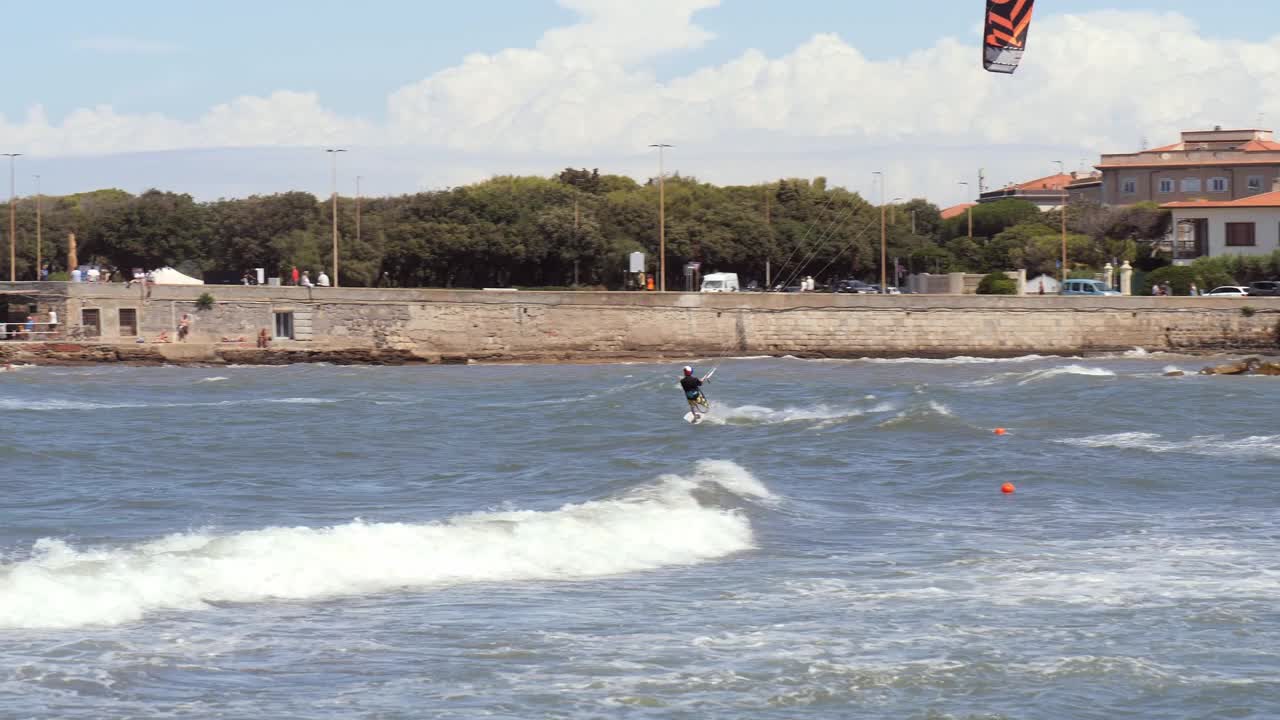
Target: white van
x=720, y=282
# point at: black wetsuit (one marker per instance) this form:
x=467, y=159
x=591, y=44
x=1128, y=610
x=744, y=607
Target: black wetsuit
x=691, y=385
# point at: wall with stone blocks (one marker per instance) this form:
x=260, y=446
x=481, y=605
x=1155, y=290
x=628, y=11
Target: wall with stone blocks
x=582, y=325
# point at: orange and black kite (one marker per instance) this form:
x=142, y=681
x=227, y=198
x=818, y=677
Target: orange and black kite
x=1005, y=36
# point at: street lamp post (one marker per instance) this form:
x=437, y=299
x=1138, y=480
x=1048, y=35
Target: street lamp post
x=39, y=237
x=333, y=153
x=13, y=222
x=1062, y=171
x=662, y=219
x=883, y=235
x=357, y=211
x=968, y=210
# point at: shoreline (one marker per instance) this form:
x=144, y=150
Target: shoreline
x=78, y=354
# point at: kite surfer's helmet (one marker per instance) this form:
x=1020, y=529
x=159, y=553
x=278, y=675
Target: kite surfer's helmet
x=688, y=370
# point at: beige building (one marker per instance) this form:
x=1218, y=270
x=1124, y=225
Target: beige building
x=1216, y=165
x=1207, y=228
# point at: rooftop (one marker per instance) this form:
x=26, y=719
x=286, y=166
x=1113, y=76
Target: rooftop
x=1265, y=200
x=1204, y=147
x=956, y=210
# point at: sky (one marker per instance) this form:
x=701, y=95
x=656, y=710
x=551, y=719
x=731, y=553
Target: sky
x=236, y=98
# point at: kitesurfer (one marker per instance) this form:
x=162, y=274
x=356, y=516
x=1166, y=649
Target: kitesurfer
x=693, y=392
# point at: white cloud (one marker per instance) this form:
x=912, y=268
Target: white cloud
x=585, y=93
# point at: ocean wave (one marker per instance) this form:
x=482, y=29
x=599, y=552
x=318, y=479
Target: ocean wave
x=215, y=379
x=960, y=360
x=1049, y=373
x=1210, y=445
x=760, y=415
x=920, y=413
x=17, y=405
x=673, y=521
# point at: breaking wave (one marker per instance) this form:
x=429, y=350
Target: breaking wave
x=54, y=405
x=961, y=360
x=760, y=415
x=675, y=520
x=931, y=411
x=1212, y=445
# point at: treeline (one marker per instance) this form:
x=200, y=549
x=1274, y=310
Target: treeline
x=541, y=232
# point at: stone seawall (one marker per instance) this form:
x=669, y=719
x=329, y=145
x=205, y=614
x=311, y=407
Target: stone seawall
x=453, y=326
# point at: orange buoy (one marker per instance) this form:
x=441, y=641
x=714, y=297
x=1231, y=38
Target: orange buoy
x=999, y=431
x=1007, y=488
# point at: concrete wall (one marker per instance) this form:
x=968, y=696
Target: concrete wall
x=507, y=325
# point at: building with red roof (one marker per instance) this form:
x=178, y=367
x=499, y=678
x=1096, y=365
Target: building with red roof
x=1247, y=226
x=1217, y=165
x=1049, y=192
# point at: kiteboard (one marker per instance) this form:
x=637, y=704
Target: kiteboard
x=692, y=419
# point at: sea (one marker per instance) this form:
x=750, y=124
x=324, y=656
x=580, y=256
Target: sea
x=555, y=541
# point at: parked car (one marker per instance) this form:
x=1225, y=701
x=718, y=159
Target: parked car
x=720, y=282
x=892, y=290
x=853, y=286
x=1228, y=291
x=1264, y=288
x=1096, y=288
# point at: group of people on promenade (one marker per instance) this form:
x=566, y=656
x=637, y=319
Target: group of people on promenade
x=303, y=279
x=1166, y=290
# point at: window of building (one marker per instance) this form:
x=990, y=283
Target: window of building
x=128, y=322
x=1190, y=185
x=1240, y=234
x=284, y=325
x=1255, y=183
x=91, y=322
x=1129, y=186
x=1219, y=184
x=1166, y=185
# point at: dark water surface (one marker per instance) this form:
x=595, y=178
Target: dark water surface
x=554, y=542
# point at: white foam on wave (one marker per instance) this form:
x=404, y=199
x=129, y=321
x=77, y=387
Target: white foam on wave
x=933, y=408
x=1209, y=445
x=215, y=379
x=960, y=360
x=660, y=524
x=54, y=405
x=761, y=415
x=1049, y=373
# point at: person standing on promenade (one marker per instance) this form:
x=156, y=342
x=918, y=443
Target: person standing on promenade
x=184, y=327
x=294, y=275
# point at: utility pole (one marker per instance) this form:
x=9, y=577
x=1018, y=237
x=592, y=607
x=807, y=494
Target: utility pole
x=969, y=209
x=662, y=220
x=884, y=287
x=39, y=237
x=357, y=211
x=577, y=218
x=1062, y=171
x=768, y=226
x=13, y=222
x=333, y=153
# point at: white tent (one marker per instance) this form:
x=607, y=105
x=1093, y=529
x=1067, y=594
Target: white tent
x=169, y=276
x=1043, y=285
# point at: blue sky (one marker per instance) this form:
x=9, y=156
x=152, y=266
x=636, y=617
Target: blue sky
x=180, y=58
x=161, y=67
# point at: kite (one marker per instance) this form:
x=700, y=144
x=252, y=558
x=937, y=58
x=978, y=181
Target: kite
x=1005, y=35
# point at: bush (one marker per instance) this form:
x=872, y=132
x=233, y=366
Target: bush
x=997, y=283
x=204, y=302
x=1179, y=278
